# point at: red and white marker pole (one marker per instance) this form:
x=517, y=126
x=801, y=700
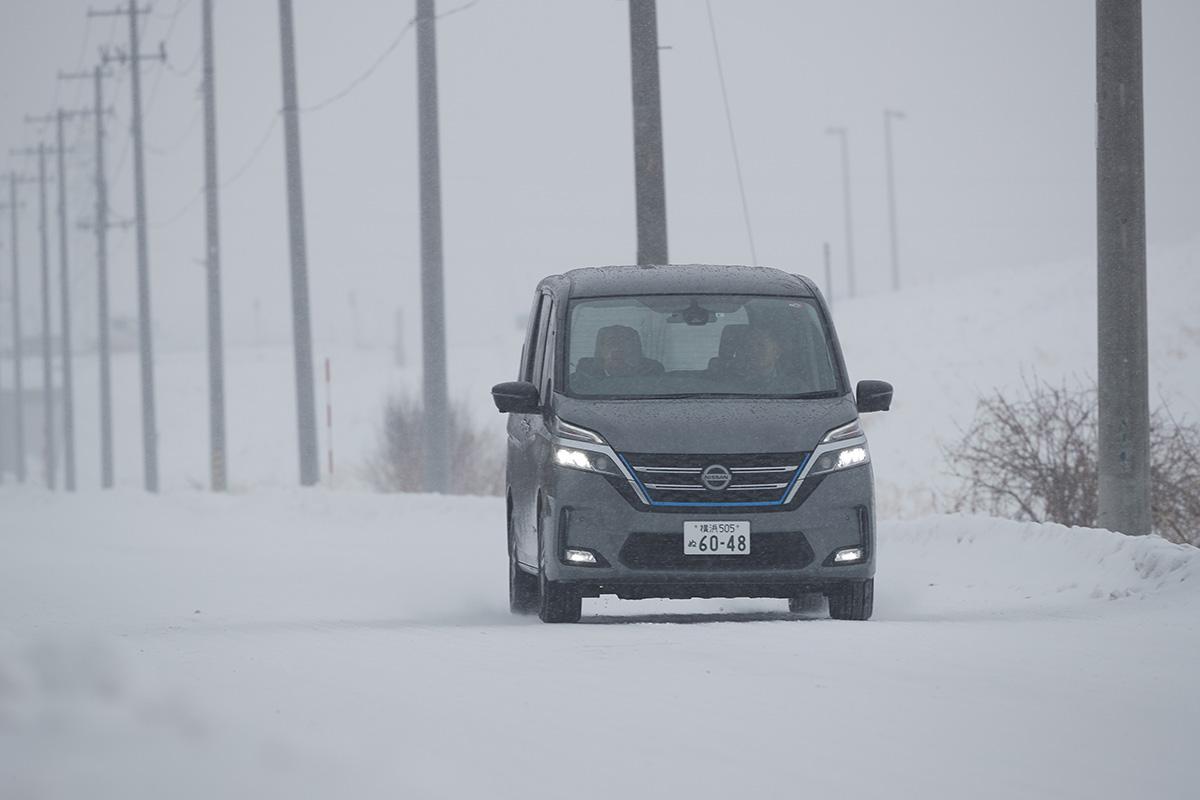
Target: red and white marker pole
x=329, y=414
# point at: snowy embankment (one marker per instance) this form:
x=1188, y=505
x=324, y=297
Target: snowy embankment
x=291, y=643
x=943, y=346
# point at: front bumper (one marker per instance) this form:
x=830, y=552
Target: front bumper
x=640, y=551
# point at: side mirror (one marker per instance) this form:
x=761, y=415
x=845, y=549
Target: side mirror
x=873, y=396
x=516, y=397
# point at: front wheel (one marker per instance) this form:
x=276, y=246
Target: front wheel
x=855, y=600
x=522, y=587
x=558, y=601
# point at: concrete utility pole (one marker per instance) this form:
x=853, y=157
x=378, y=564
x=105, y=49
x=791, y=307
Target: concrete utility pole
x=49, y=449
x=888, y=116
x=100, y=226
x=1124, y=442
x=216, y=366
x=3, y=422
x=3, y=418
x=306, y=411
x=433, y=304
x=844, y=137
x=64, y=289
x=14, y=206
x=145, y=320
x=649, y=181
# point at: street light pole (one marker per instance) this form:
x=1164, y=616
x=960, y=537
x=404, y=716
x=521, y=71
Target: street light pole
x=888, y=116
x=844, y=137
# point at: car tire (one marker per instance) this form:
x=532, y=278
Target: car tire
x=558, y=601
x=808, y=603
x=523, y=590
x=855, y=600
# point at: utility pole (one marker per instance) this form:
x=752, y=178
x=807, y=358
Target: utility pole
x=3, y=416
x=145, y=320
x=433, y=304
x=649, y=181
x=64, y=289
x=212, y=263
x=306, y=411
x=3, y=421
x=1124, y=402
x=49, y=449
x=888, y=116
x=14, y=206
x=844, y=137
x=100, y=226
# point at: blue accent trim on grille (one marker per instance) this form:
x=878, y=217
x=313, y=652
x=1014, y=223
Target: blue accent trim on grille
x=781, y=501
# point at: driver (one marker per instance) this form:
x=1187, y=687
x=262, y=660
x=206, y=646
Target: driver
x=758, y=355
x=619, y=353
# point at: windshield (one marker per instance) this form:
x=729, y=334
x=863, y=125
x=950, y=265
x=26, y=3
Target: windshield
x=698, y=346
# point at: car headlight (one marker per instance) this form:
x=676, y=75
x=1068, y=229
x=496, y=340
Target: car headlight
x=585, y=460
x=847, y=457
x=851, y=430
x=565, y=430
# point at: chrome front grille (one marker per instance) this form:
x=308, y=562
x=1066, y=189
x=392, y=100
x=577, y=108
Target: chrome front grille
x=673, y=479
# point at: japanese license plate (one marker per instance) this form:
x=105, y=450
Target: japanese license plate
x=716, y=538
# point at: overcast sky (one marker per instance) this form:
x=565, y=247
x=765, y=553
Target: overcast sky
x=995, y=161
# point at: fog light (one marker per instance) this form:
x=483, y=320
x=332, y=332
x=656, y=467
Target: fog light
x=848, y=555
x=580, y=556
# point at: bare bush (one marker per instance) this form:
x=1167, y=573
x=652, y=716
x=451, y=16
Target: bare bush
x=1035, y=458
x=476, y=456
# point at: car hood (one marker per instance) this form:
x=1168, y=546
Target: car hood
x=725, y=425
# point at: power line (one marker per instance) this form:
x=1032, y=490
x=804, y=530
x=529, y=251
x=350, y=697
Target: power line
x=737, y=162
x=189, y=69
x=167, y=150
x=233, y=178
x=383, y=56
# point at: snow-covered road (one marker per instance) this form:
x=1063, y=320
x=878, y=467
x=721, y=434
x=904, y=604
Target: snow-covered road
x=337, y=644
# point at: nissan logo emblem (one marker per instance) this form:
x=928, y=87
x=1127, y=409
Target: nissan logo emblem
x=716, y=477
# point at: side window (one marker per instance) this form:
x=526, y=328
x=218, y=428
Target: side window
x=539, y=342
x=530, y=349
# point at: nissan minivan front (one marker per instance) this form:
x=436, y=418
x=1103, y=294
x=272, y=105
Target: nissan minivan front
x=686, y=431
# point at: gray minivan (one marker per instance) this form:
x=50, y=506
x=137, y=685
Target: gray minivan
x=687, y=431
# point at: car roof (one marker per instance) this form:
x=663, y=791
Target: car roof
x=684, y=279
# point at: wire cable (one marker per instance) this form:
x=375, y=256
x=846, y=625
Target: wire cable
x=233, y=178
x=378, y=62
x=737, y=162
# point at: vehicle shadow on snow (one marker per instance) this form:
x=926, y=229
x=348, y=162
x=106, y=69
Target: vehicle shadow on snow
x=669, y=618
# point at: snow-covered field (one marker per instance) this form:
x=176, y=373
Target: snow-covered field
x=336, y=644
x=942, y=346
